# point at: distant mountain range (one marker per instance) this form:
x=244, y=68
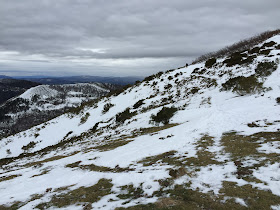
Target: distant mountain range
x=14, y=86
x=81, y=79
x=4, y=77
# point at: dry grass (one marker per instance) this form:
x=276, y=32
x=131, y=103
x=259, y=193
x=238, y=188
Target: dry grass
x=82, y=195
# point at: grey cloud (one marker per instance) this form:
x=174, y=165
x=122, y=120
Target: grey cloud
x=129, y=29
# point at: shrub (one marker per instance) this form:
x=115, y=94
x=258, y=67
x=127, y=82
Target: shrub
x=210, y=62
x=195, y=71
x=170, y=78
x=125, y=115
x=151, y=77
x=137, y=82
x=177, y=74
x=265, y=69
x=94, y=128
x=194, y=90
x=107, y=107
x=164, y=115
x=176, y=173
x=248, y=60
x=277, y=47
x=8, y=151
x=265, y=52
x=84, y=118
x=278, y=100
x=242, y=85
x=255, y=50
x=138, y=104
x=29, y=145
x=202, y=71
x=168, y=86
x=268, y=44
x=235, y=59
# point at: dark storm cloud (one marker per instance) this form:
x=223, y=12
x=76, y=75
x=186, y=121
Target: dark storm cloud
x=179, y=30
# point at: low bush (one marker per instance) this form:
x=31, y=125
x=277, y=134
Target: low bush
x=195, y=71
x=265, y=52
x=125, y=115
x=168, y=86
x=242, y=85
x=177, y=74
x=138, y=104
x=194, y=90
x=151, y=77
x=84, y=118
x=265, y=69
x=234, y=59
x=164, y=115
x=30, y=145
x=268, y=44
x=107, y=107
x=248, y=60
x=254, y=50
x=210, y=62
x=278, y=100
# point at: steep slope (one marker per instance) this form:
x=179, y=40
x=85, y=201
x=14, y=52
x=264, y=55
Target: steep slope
x=44, y=102
x=204, y=136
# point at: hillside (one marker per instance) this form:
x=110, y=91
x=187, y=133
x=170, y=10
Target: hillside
x=44, y=102
x=205, y=136
x=10, y=88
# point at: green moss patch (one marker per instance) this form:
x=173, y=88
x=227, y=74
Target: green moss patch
x=80, y=196
x=164, y=158
x=130, y=192
x=97, y=168
x=39, y=163
x=253, y=197
x=241, y=147
x=203, y=156
x=181, y=198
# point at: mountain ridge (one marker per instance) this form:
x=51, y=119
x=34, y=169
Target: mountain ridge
x=44, y=102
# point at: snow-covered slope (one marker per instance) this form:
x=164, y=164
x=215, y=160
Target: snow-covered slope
x=216, y=147
x=71, y=93
x=42, y=90
x=44, y=102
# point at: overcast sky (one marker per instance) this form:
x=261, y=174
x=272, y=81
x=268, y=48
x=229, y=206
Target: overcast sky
x=122, y=37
